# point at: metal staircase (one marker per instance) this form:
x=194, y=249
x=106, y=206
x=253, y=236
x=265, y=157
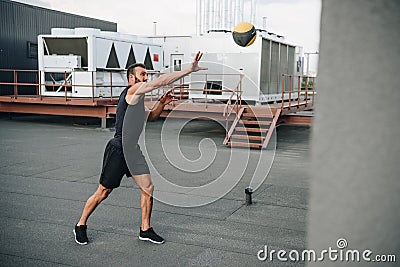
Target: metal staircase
x=252, y=128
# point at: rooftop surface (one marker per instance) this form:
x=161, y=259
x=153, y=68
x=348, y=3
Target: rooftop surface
x=50, y=165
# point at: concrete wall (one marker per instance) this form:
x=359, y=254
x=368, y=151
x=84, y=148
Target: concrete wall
x=355, y=191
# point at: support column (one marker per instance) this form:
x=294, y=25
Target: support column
x=103, y=123
x=355, y=187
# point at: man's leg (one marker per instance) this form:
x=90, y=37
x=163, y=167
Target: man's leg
x=92, y=202
x=146, y=204
x=146, y=198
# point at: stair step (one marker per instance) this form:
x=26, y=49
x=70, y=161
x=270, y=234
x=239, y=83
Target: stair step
x=253, y=130
x=255, y=122
x=258, y=114
x=241, y=144
x=247, y=137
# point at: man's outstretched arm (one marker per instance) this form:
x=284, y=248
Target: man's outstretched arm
x=169, y=78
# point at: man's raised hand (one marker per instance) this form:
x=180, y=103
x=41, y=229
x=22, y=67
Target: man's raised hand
x=195, y=64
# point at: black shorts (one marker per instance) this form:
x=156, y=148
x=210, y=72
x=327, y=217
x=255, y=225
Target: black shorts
x=114, y=165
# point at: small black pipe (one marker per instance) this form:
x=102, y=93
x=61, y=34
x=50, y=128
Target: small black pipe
x=248, y=191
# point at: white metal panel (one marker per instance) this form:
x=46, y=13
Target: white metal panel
x=91, y=51
x=157, y=65
x=247, y=64
x=227, y=67
x=140, y=52
x=62, y=31
x=41, y=52
x=103, y=48
x=87, y=31
x=234, y=59
x=172, y=45
x=82, y=81
x=213, y=73
x=101, y=81
x=61, y=63
x=122, y=49
x=103, y=88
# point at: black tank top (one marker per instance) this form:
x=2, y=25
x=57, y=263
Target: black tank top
x=138, y=113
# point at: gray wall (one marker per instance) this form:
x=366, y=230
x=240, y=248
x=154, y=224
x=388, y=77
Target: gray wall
x=355, y=190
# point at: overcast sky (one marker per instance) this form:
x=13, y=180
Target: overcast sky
x=297, y=20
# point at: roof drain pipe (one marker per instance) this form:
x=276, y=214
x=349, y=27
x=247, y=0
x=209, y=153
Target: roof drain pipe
x=248, y=192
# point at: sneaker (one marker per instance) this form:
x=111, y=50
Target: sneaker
x=151, y=236
x=80, y=234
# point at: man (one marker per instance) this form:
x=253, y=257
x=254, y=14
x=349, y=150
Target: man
x=114, y=164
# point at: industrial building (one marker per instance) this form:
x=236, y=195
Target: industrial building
x=87, y=62
x=20, y=25
x=77, y=67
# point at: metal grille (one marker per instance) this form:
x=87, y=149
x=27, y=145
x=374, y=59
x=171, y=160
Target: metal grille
x=275, y=76
x=265, y=66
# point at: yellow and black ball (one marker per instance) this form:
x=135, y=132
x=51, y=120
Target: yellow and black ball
x=244, y=34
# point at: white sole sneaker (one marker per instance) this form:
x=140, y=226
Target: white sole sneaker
x=80, y=243
x=152, y=241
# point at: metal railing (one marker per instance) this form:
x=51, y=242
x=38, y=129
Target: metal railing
x=303, y=86
x=304, y=89
x=238, y=102
x=14, y=83
x=64, y=86
x=184, y=89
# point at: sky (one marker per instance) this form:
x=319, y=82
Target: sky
x=297, y=20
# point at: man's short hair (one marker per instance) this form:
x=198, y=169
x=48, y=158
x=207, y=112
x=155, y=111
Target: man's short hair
x=131, y=69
